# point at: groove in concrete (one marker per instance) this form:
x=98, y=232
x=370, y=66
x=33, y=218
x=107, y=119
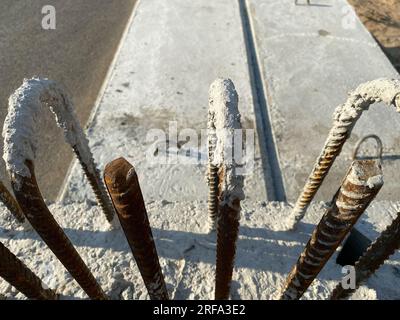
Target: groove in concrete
x=272, y=172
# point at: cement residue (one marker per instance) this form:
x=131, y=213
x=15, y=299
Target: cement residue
x=24, y=115
x=186, y=250
x=225, y=120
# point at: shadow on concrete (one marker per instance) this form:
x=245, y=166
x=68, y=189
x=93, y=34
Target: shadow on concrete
x=257, y=247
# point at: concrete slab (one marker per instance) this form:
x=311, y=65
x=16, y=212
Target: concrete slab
x=187, y=252
x=310, y=59
x=171, y=55
x=78, y=53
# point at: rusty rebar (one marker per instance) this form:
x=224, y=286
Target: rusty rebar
x=21, y=277
x=20, y=130
x=359, y=187
x=226, y=184
x=123, y=186
x=212, y=196
x=345, y=117
x=373, y=258
x=99, y=190
x=223, y=119
x=32, y=204
x=227, y=235
x=12, y=205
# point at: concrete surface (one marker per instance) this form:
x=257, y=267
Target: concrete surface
x=187, y=253
x=309, y=62
x=171, y=55
x=77, y=54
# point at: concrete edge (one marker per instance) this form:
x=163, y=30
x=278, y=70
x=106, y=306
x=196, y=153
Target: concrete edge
x=100, y=95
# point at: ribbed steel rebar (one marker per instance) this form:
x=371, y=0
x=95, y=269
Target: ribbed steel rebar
x=21, y=277
x=212, y=196
x=32, y=204
x=99, y=190
x=226, y=184
x=227, y=235
x=373, y=258
x=123, y=186
x=20, y=132
x=12, y=205
x=359, y=187
x=345, y=117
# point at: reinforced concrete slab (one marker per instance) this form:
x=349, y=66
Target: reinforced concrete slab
x=310, y=58
x=172, y=53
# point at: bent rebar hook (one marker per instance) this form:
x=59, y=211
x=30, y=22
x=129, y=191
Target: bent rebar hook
x=20, y=140
x=345, y=117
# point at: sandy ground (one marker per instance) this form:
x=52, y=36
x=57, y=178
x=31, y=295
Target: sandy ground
x=77, y=54
x=382, y=18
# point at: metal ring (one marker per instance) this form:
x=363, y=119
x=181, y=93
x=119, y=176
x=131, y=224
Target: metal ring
x=379, y=146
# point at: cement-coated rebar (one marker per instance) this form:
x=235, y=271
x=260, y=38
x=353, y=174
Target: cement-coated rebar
x=212, y=171
x=12, y=205
x=21, y=277
x=21, y=126
x=32, y=204
x=225, y=181
x=345, y=117
x=123, y=186
x=359, y=187
x=373, y=258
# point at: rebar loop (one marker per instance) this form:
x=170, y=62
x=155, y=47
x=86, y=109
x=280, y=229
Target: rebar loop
x=12, y=205
x=345, y=117
x=226, y=183
x=379, y=146
x=359, y=187
x=22, y=278
x=20, y=138
x=123, y=186
x=373, y=258
x=31, y=201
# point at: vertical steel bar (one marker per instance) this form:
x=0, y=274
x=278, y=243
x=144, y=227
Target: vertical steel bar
x=212, y=195
x=359, y=187
x=377, y=253
x=21, y=277
x=31, y=201
x=227, y=184
x=123, y=186
x=11, y=204
x=345, y=117
x=227, y=235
